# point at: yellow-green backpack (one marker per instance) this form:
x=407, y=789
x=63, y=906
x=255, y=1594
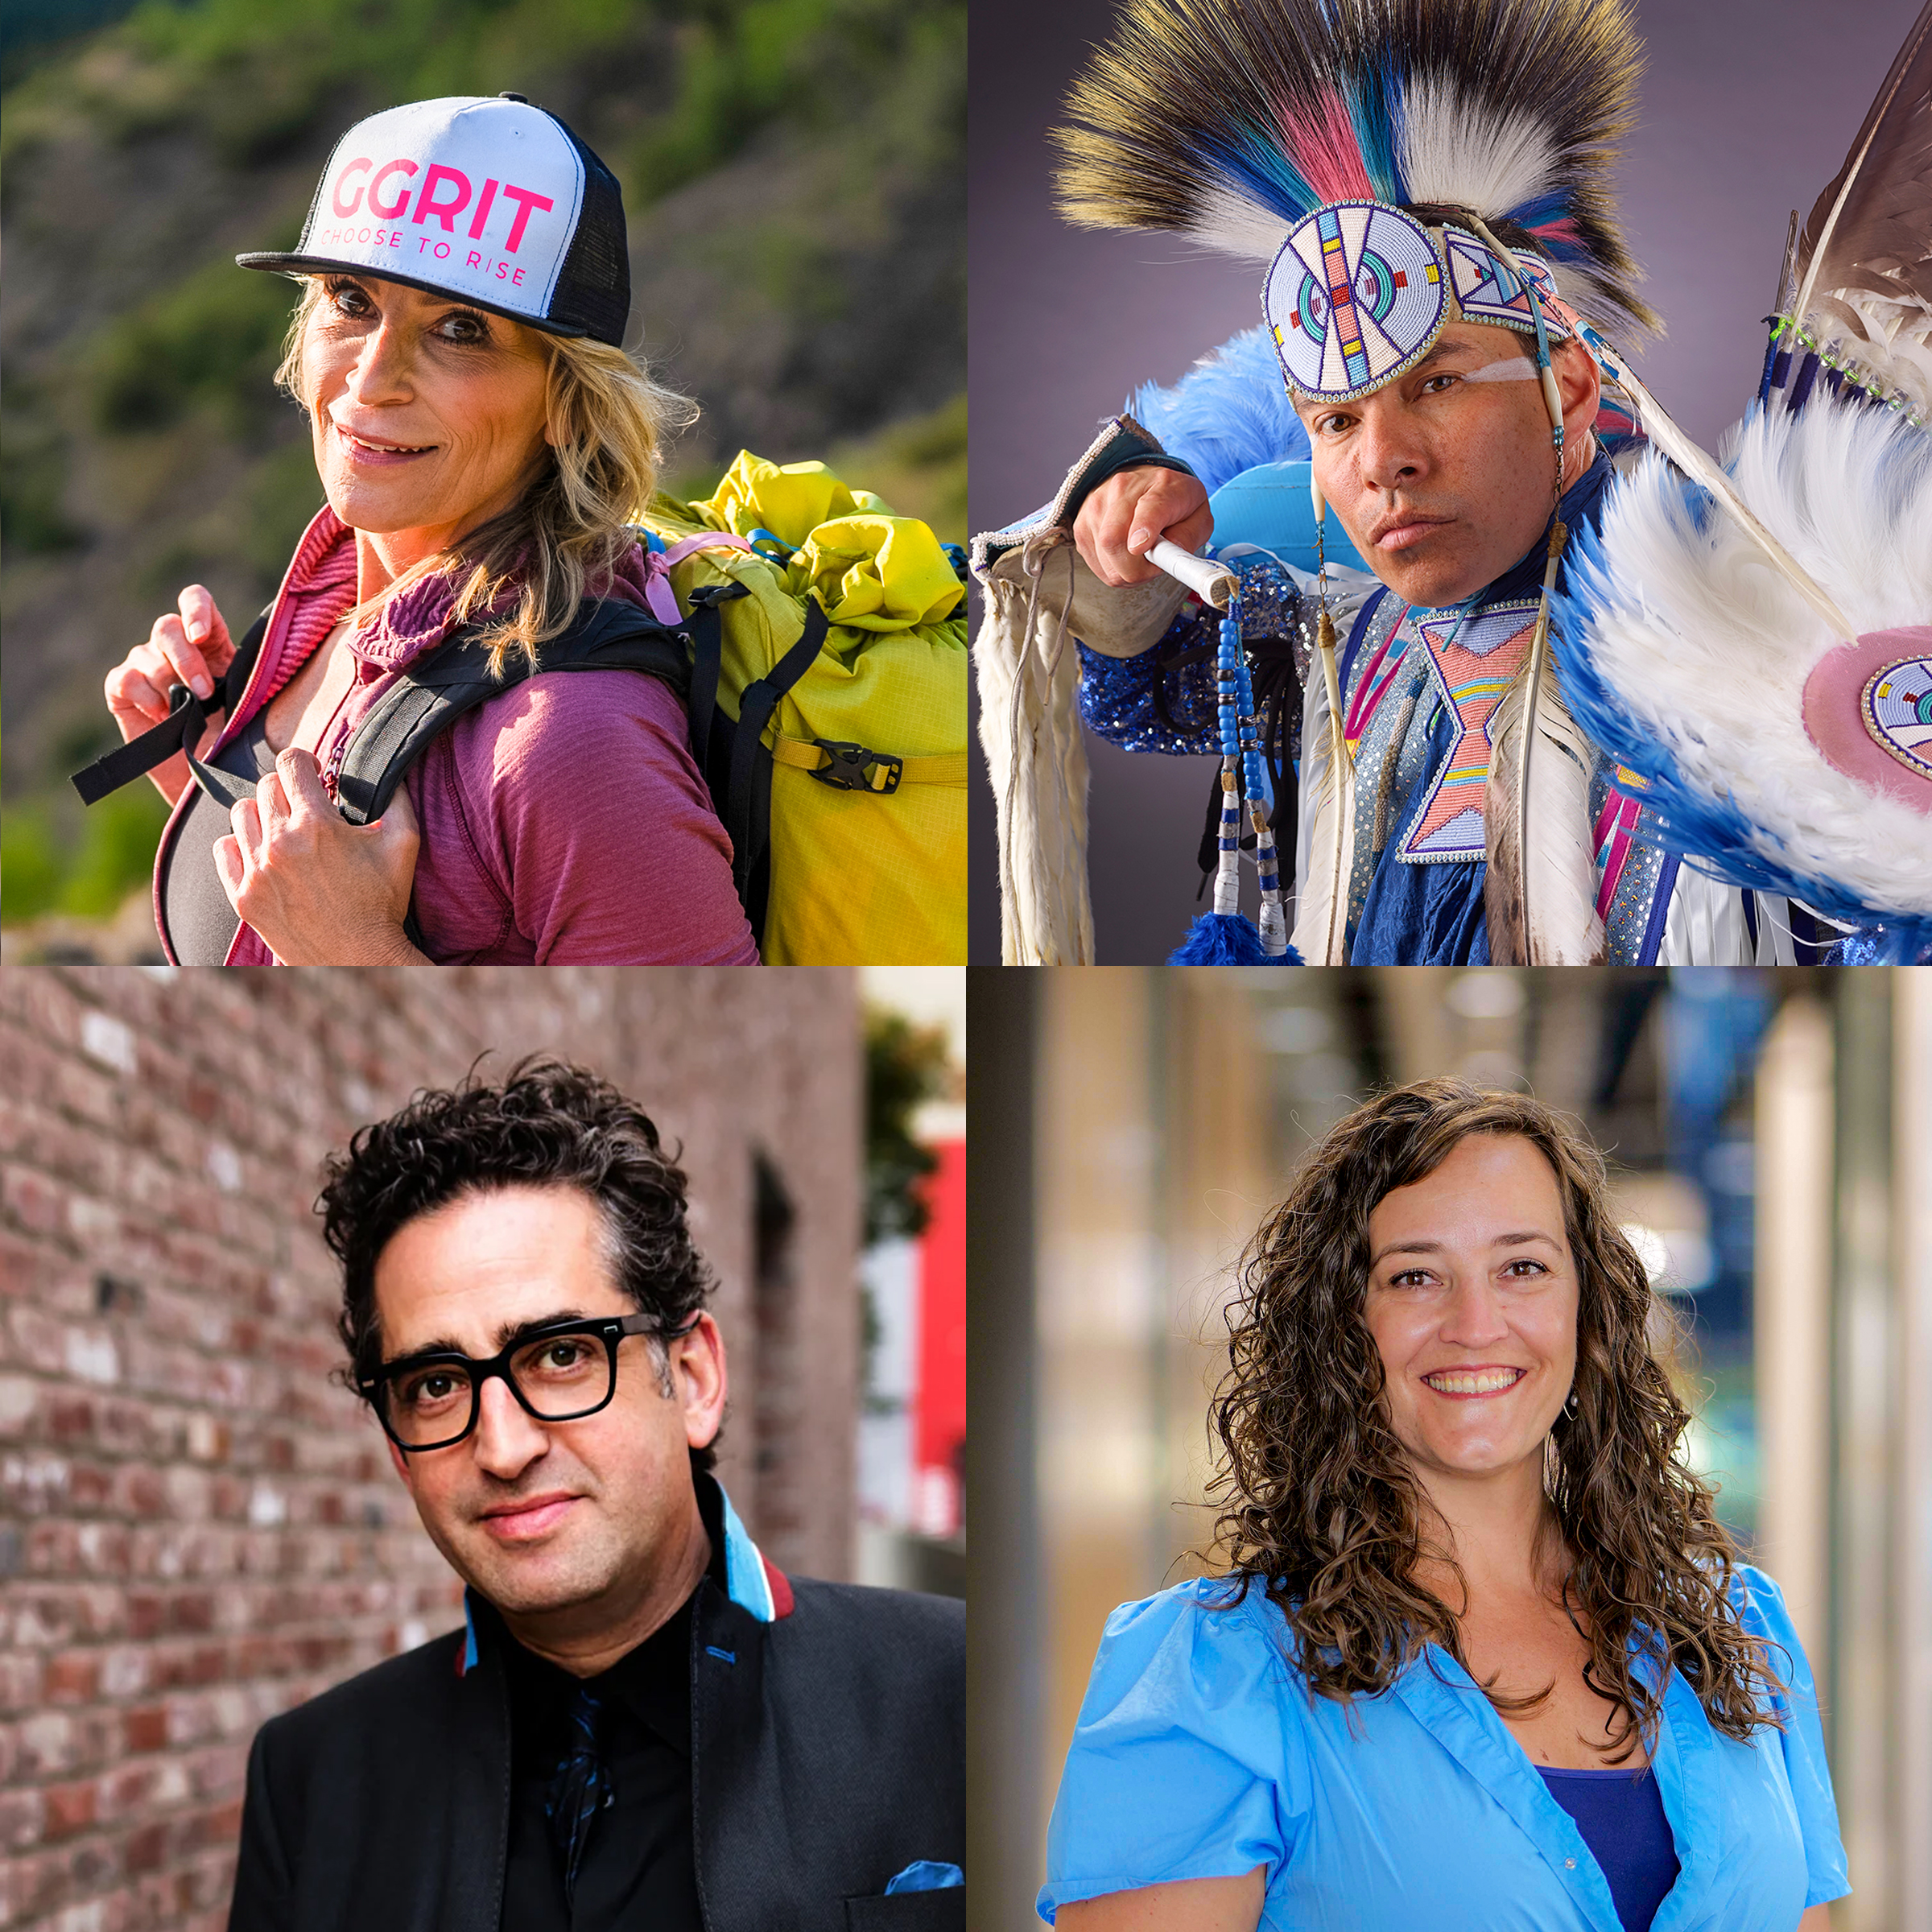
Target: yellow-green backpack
x=845, y=798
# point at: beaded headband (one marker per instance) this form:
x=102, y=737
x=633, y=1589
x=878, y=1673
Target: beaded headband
x=1360, y=292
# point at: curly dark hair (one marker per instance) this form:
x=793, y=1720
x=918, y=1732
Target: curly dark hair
x=1318, y=1505
x=547, y=1125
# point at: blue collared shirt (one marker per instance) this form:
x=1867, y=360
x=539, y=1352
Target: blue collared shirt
x=1199, y=1754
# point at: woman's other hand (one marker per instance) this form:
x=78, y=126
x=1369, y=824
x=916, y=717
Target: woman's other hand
x=1192, y=1905
x=190, y=646
x=320, y=891
x=1122, y=518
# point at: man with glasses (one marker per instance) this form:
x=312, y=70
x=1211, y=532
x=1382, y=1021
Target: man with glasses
x=643, y=1722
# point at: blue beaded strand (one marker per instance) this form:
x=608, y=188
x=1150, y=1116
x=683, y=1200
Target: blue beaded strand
x=1241, y=753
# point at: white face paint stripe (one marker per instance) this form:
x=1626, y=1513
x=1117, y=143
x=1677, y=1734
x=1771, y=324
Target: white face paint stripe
x=1518, y=369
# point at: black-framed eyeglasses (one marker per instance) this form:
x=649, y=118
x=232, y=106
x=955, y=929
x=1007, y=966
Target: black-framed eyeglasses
x=558, y=1372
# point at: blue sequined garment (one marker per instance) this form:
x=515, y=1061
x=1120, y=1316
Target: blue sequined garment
x=1403, y=912
x=1163, y=700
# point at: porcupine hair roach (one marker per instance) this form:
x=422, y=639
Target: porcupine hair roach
x=1230, y=120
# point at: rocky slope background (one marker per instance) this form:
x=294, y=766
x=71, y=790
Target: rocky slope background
x=792, y=177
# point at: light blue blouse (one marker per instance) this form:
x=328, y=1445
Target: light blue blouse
x=1199, y=1754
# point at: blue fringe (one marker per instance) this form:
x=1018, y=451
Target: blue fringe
x=1226, y=938
x=1228, y=413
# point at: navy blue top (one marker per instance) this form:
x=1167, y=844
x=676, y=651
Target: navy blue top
x=1621, y=1818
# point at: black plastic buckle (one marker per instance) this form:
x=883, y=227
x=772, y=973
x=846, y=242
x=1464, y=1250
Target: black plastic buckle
x=849, y=768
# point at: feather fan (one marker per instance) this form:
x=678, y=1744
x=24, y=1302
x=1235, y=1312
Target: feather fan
x=1864, y=257
x=1687, y=661
x=1230, y=120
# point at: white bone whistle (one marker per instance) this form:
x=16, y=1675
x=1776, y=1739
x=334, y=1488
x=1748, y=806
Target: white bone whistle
x=1213, y=583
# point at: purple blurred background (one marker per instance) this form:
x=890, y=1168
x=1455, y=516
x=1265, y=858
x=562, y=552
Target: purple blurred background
x=1747, y=109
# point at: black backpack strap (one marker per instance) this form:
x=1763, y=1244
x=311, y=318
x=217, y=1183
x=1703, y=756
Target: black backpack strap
x=747, y=803
x=609, y=634
x=228, y=788
x=180, y=730
x=707, y=668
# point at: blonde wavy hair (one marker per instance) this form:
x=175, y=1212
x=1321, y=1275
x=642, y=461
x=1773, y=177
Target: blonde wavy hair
x=563, y=538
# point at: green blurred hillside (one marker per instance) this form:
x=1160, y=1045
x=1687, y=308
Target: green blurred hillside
x=793, y=173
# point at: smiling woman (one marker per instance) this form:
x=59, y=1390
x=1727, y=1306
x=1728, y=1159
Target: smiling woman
x=1481, y=1656
x=485, y=445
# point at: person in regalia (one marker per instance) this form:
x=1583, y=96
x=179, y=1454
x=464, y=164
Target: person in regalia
x=1461, y=767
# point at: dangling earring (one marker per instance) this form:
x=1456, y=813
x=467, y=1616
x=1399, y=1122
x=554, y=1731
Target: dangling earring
x=1569, y=1407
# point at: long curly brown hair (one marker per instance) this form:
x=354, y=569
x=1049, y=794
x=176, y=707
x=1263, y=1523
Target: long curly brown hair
x=1320, y=1506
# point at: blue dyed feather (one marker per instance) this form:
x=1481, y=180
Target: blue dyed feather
x=1228, y=413
x=1374, y=109
x=1544, y=208
x=1226, y=938
x=1254, y=167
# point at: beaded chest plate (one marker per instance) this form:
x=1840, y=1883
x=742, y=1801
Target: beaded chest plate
x=1473, y=659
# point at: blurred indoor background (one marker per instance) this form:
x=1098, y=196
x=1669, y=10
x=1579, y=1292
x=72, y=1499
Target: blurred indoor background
x=1771, y=1140
x=793, y=178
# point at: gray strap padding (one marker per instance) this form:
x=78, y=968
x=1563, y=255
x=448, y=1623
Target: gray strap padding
x=456, y=678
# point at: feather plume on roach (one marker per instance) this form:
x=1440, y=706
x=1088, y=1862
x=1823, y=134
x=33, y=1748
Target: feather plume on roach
x=1862, y=266
x=1670, y=624
x=1540, y=836
x=1230, y=120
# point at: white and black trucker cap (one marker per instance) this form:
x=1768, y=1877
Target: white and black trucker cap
x=493, y=201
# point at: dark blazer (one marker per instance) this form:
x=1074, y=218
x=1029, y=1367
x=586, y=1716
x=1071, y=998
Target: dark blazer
x=828, y=1754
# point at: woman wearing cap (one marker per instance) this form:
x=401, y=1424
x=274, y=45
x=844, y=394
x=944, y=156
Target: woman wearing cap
x=483, y=441
x=1482, y=1659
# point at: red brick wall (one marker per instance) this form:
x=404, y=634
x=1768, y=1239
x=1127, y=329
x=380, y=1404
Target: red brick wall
x=198, y=1530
